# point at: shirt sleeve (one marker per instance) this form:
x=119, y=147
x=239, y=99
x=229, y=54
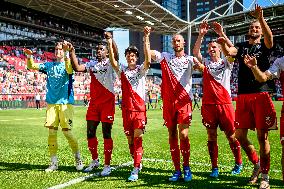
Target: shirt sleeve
x=228, y=64
x=190, y=61
x=91, y=65
x=31, y=65
x=68, y=66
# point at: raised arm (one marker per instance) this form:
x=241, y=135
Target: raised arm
x=115, y=51
x=30, y=61
x=260, y=76
x=228, y=51
x=203, y=29
x=67, y=61
x=73, y=59
x=111, y=49
x=217, y=27
x=227, y=46
x=147, y=51
x=267, y=34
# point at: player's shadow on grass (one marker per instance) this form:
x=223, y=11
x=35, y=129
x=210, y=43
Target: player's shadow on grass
x=226, y=180
x=5, y=166
x=152, y=177
x=149, y=176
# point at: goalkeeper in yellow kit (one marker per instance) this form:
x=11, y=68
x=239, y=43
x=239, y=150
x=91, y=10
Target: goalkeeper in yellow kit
x=60, y=100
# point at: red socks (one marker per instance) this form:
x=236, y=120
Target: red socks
x=265, y=164
x=175, y=153
x=252, y=155
x=213, y=152
x=93, y=147
x=138, y=151
x=185, y=151
x=108, y=146
x=236, y=149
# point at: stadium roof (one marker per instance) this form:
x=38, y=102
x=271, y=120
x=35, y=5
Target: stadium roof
x=130, y=14
x=135, y=14
x=237, y=23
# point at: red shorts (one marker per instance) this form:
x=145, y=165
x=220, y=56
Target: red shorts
x=133, y=120
x=175, y=114
x=101, y=112
x=282, y=125
x=255, y=111
x=222, y=115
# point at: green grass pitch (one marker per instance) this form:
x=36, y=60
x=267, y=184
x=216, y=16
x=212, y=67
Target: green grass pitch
x=24, y=155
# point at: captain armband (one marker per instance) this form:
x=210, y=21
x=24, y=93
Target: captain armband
x=230, y=59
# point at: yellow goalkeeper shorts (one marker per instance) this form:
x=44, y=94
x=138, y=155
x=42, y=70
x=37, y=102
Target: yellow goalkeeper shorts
x=59, y=114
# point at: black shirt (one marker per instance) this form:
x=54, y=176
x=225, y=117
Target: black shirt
x=246, y=80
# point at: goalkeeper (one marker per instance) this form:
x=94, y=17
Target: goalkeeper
x=60, y=99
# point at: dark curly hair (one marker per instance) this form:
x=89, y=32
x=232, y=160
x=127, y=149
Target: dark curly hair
x=132, y=49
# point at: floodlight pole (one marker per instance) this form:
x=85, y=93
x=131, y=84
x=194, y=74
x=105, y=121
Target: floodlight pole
x=188, y=28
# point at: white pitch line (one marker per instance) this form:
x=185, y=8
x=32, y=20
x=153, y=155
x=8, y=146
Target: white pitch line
x=81, y=179
x=5, y=120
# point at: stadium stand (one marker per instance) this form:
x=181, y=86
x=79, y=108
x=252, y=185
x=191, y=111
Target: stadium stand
x=35, y=28
x=18, y=83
